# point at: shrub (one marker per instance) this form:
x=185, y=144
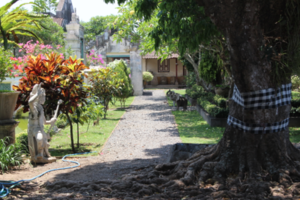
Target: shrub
x=295, y=82
x=61, y=123
x=19, y=113
x=190, y=80
x=147, y=76
x=220, y=101
x=22, y=139
x=212, y=109
x=11, y=155
x=195, y=91
x=123, y=73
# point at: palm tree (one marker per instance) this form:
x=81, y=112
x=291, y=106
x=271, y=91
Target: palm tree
x=17, y=22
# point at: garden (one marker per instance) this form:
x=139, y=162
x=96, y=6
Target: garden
x=86, y=113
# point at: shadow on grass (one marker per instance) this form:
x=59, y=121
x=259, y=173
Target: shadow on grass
x=193, y=128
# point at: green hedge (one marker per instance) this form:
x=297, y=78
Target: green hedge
x=213, y=109
x=195, y=91
x=220, y=101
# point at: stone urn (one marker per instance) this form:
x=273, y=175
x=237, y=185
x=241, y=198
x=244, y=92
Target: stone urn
x=222, y=91
x=8, y=102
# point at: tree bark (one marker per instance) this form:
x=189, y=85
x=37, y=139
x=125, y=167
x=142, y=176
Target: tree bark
x=71, y=132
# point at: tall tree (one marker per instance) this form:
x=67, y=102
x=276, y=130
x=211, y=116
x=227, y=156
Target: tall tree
x=45, y=6
x=263, y=42
x=17, y=22
x=96, y=26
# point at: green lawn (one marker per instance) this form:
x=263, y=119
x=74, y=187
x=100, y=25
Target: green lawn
x=193, y=128
x=295, y=95
x=93, y=139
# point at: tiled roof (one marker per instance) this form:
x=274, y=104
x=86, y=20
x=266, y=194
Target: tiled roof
x=153, y=56
x=59, y=21
x=60, y=5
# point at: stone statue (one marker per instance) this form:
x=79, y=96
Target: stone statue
x=37, y=138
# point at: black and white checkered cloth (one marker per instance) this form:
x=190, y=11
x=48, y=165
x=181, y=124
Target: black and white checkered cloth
x=258, y=128
x=264, y=99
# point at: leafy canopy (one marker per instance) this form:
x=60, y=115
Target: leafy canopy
x=17, y=22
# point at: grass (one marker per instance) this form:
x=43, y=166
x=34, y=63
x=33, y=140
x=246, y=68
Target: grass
x=295, y=95
x=93, y=139
x=193, y=128
x=117, y=103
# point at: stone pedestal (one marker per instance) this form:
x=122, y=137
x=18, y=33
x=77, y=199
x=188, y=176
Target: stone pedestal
x=7, y=128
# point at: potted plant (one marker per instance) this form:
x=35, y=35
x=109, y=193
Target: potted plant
x=147, y=76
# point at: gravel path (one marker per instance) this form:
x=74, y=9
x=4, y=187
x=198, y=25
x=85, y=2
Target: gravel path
x=146, y=131
x=142, y=138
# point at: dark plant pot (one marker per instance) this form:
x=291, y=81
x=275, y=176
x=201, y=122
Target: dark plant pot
x=8, y=102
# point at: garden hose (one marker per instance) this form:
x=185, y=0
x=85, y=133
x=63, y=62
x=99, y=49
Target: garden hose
x=5, y=191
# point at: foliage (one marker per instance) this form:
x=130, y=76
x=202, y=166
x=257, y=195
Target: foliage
x=18, y=114
x=22, y=140
x=195, y=91
x=94, y=60
x=52, y=33
x=62, y=79
x=96, y=26
x=212, y=109
x=6, y=64
x=147, y=76
x=295, y=82
x=11, y=155
x=220, y=101
x=17, y=22
x=295, y=95
x=190, y=80
x=60, y=122
x=45, y=6
x=123, y=74
x=209, y=66
x=34, y=49
x=94, y=110
x=105, y=85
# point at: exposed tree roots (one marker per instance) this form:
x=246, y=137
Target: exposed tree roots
x=216, y=172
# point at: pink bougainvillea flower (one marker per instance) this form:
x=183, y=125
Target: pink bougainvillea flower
x=16, y=75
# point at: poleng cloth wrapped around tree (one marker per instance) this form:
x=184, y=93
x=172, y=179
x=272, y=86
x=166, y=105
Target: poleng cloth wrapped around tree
x=258, y=128
x=264, y=99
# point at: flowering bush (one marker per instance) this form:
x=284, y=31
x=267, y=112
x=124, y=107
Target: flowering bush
x=94, y=60
x=6, y=64
x=35, y=49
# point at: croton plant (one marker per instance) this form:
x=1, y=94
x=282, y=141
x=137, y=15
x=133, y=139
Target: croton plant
x=61, y=78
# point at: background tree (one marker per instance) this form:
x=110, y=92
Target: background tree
x=52, y=33
x=105, y=85
x=123, y=74
x=264, y=47
x=45, y=6
x=96, y=26
x=17, y=22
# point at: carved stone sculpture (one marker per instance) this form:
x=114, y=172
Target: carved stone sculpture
x=37, y=138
